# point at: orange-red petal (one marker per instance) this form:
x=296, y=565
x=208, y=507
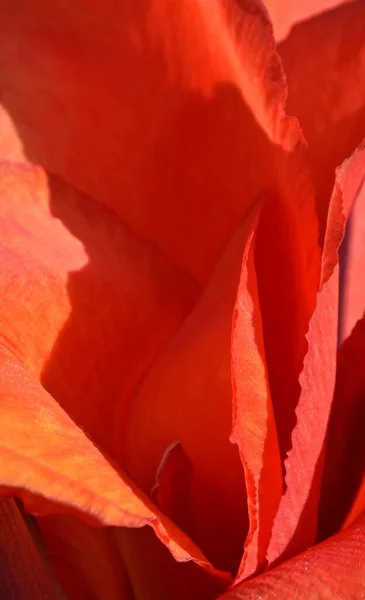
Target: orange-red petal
x=295, y=526
x=85, y=305
x=254, y=429
x=328, y=571
x=187, y=398
x=324, y=61
x=155, y=575
x=172, y=116
x=85, y=559
x=47, y=459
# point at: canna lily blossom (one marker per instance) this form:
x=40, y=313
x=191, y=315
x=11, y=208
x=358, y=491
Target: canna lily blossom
x=177, y=418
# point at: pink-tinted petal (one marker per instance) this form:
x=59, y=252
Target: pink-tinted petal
x=295, y=526
x=333, y=570
x=324, y=61
x=172, y=116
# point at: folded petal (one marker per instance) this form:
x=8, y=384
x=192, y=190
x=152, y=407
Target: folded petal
x=272, y=321
x=86, y=306
x=47, y=459
x=326, y=81
x=254, y=429
x=52, y=466
x=174, y=118
x=333, y=569
x=295, y=526
x=187, y=398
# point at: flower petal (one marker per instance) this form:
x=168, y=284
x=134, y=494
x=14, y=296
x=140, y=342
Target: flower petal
x=187, y=397
x=328, y=571
x=295, y=526
x=51, y=465
x=85, y=559
x=154, y=574
x=254, y=429
x=326, y=81
x=85, y=306
x=156, y=112
x=172, y=489
x=47, y=459
x=286, y=287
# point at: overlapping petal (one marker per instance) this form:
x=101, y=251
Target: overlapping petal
x=187, y=398
x=47, y=459
x=173, y=117
x=295, y=526
x=333, y=569
x=85, y=559
x=254, y=429
x=324, y=61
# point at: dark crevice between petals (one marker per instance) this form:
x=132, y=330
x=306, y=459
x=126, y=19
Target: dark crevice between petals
x=24, y=572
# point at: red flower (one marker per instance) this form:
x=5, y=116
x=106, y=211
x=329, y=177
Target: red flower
x=153, y=191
